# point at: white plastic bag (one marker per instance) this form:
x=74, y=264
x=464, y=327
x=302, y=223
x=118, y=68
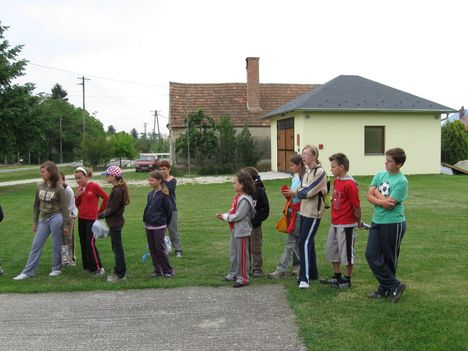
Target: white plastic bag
x=100, y=229
x=168, y=243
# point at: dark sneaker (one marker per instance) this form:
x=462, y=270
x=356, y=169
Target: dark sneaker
x=396, y=293
x=239, y=284
x=156, y=274
x=168, y=275
x=257, y=274
x=178, y=253
x=329, y=281
x=342, y=284
x=379, y=294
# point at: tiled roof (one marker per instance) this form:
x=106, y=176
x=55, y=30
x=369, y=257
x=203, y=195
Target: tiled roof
x=355, y=93
x=229, y=98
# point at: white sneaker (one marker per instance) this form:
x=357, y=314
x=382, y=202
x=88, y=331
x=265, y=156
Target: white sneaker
x=55, y=273
x=100, y=272
x=21, y=276
x=304, y=285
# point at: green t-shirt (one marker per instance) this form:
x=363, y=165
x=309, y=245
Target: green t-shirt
x=396, y=186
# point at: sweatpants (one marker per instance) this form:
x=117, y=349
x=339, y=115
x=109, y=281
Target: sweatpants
x=256, y=238
x=308, y=270
x=52, y=225
x=174, y=232
x=240, y=259
x=291, y=250
x=383, y=249
x=157, y=249
x=89, y=251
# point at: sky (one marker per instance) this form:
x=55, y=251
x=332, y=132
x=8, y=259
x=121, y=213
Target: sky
x=131, y=50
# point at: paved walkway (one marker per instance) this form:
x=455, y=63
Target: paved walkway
x=252, y=318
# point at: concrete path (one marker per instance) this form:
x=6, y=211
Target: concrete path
x=251, y=318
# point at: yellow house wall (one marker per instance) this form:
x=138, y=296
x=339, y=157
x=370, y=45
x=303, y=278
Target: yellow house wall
x=419, y=134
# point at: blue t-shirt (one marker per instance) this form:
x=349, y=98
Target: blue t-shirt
x=295, y=185
x=396, y=186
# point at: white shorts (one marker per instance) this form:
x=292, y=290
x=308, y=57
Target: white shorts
x=340, y=245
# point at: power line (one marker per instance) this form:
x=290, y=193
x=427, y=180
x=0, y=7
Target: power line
x=97, y=77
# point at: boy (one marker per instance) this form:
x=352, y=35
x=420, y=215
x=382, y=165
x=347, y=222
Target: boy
x=345, y=217
x=387, y=192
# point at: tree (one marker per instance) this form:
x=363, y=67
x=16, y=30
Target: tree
x=17, y=101
x=58, y=93
x=454, y=142
x=246, y=148
x=95, y=151
x=227, y=141
x=134, y=134
x=200, y=138
x=111, y=130
x=122, y=146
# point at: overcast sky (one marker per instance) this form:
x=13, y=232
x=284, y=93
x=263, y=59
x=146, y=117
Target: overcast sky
x=131, y=50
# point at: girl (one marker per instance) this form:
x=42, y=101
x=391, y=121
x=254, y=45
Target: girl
x=291, y=249
x=157, y=216
x=50, y=216
x=262, y=207
x=87, y=199
x=113, y=214
x=239, y=217
x=69, y=240
x=171, y=182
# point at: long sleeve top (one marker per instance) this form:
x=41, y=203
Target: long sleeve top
x=314, y=184
x=158, y=210
x=50, y=201
x=88, y=202
x=115, y=208
x=242, y=217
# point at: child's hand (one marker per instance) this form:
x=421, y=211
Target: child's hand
x=219, y=216
x=79, y=191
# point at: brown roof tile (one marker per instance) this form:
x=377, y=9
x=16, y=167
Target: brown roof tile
x=229, y=98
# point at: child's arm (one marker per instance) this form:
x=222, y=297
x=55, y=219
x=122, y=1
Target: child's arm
x=386, y=202
x=243, y=208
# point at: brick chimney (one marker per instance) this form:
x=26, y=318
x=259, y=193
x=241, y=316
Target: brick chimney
x=461, y=112
x=253, y=84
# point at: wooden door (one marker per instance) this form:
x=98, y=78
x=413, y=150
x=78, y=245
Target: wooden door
x=285, y=143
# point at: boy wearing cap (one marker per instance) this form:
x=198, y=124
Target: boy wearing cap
x=113, y=214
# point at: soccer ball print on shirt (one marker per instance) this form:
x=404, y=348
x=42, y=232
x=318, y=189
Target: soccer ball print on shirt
x=384, y=188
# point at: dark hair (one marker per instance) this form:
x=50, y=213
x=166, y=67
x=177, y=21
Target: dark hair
x=53, y=172
x=246, y=181
x=165, y=163
x=398, y=155
x=297, y=160
x=255, y=176
x=158, y=175
x=340, y=160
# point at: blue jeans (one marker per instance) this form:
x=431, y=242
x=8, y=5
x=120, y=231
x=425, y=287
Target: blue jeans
x=117, y=248
x=52, y=225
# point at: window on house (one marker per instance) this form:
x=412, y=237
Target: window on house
x=374, y=140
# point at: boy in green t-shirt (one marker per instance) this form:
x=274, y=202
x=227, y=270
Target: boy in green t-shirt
x=387, y=192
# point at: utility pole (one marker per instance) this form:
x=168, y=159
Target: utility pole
x=156, y=121
x=144, y=124
x=61, y=153
x=83, y=80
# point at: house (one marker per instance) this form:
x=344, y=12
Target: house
x=245, y=103
x=463, y=115
x=362, y=119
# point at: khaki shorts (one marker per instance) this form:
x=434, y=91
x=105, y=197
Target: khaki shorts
x=340, y=245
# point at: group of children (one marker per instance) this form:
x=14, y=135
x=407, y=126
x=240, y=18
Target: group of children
x=306, y=207
x=56, y=206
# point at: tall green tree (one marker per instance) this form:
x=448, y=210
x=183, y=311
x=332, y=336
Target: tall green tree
x=227, y=141
x=200, y=138
x=111, y=130
x=246, y=148
x=17, y=101
x=454, y=142
x=122, y=146
x=58, y=93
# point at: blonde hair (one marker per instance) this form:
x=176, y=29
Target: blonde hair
x=158, y=175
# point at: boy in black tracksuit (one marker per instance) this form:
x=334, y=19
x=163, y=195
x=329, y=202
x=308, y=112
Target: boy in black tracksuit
x=262, y=206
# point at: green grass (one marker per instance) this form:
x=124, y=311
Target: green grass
x=431, y=315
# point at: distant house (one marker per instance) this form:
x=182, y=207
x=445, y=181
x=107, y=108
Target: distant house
x=245, y=103
x=362, y=119
x=463, y=115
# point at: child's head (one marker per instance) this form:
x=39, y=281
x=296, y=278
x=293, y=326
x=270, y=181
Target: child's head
x=252, y=171
x=61, y=178
x=49, y=173
x=157, y=182
x=395, y=159
x=165, y=168
x=82, y=174
x=113, y=174
x=310, y=154
x=243, y=182
x=297, y=164
x=339, y=164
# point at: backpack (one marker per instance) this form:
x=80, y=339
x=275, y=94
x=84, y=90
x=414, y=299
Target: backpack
x=327, y=197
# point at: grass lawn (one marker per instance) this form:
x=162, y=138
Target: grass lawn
x=431, y=315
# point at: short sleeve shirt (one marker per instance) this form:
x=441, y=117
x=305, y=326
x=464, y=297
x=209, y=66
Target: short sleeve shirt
x=396, y=186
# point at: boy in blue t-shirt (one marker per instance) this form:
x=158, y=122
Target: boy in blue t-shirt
x=387, y=192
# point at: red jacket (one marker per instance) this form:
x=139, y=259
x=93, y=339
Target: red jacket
x=88, y=202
